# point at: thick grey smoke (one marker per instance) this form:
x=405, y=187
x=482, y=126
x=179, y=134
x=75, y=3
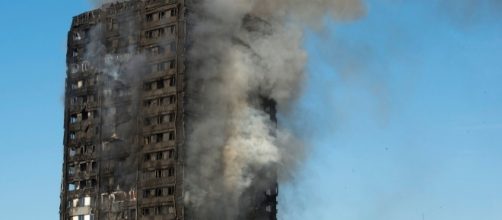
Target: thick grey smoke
x=245, y=63
x=244, y=52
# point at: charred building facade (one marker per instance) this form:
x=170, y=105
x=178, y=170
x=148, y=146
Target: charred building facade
x=124, y=146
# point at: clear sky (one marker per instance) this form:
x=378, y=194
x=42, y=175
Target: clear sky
x=402, y=112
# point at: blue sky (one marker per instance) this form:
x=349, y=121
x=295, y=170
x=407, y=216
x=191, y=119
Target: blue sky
x=402, y=111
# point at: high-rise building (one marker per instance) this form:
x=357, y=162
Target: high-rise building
x=124, y=115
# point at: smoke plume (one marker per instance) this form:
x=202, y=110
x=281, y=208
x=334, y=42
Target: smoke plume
x=245, y=55
x=245, y=64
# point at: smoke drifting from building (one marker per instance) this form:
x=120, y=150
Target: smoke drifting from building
x=245, y=63
x=243, y=52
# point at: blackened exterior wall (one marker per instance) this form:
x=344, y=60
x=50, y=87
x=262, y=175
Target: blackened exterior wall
x=124, y=115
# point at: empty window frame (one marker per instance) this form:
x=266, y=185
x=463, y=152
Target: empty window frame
x=72, y=152
x=160, y=15
x=158, y=210
x=86, y=183
x=158, y=192
x=150, y=17
x=87, y=149
x=73, y=135
x=160, y=83
x=85, y=115
x=163, y=66
x=78, y=84
x=160, y=32
x=165, y=100
x=168, y=100
x=72, y=187
x=159, y=155
x=81, y=202
x=155, y=33
x=74, y=118
x=83, y=99
x=159, y=173
x=163, y=118
x=160, y=137
x=76, y=36
x=156, y=50
x=71, y=169
x=166, y=118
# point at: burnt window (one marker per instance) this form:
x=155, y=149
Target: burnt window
x=73, y=136
x=147, y=157
x=85, y=115
x=72, y=152
x=159, y=173
x=159, y=84
x=150, y=102
x=145, y=211
x=171, y=29
x=74, y=100
x=158, y=192
x=149, y=17
x=147, y=122
x=83, y=167
x=94, y=182
x=169, y=191
x=147, y=103
x=156, y=16
x=147, y=86
x=169, y=154
x=73, y=118
x=172, y=81
x=146, y=193
x=159, y=138
x=76, y=36
x=162, y=15
x=82, y=184
x=159, y=156
x=89, y=149
x=168, y=100
x=75, y=53
x=71, y=169
x=170, y=171
x=148, y=140
x=159, y=67
x=72, y=187
x=156, y=33
x=156, y=50
x=166, y=118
